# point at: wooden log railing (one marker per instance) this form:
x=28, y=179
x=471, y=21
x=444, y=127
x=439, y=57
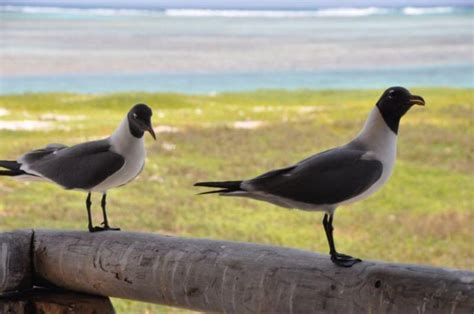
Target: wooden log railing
x=53, y=301
x=222, y=276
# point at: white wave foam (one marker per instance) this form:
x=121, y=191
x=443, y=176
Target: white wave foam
x=341, y=12
x=79, y=11
x=348, y=12
x=425, y=11
x=331, y=12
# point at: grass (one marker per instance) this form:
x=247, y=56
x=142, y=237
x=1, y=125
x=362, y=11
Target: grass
x=423, y=215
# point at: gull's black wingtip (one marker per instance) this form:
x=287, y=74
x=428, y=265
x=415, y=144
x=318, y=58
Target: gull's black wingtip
x=214, y=192
x=10, y=164
x=11, y=173
x=12, y=168
x=220, y=184
x=223, y=186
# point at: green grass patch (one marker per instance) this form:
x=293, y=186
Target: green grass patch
x=423, y=215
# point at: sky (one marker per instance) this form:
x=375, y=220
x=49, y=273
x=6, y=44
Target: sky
x=243, y=4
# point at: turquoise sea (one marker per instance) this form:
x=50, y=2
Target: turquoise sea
x=206, y=51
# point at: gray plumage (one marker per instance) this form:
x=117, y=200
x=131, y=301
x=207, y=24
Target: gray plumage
x=329, y=177
x=82, y=166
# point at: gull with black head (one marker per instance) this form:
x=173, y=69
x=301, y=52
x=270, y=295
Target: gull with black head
x=96, y=166
x=335, y=177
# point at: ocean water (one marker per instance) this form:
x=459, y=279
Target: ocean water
x=205, y=51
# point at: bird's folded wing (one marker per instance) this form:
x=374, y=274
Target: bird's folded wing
x=274, y=173
x=78, y=167
x=326, y=178
x=38, y=154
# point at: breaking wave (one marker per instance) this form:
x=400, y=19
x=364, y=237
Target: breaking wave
x=341, y=12
x=427, y=11
x=330, y=12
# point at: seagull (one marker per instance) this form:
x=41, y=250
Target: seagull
x=95, y=166
x=335, y=177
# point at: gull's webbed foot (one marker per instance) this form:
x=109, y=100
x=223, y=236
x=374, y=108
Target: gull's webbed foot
x=95, y=229
x=344, y=260
x=111, y=229
x=106, y=228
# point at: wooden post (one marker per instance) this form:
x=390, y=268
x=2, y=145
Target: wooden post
x=40, y=300
x=15, y=260
x=229, y=277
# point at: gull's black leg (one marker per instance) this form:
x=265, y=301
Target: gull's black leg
x=337, y=258
x=103, y=203
x=89, y=216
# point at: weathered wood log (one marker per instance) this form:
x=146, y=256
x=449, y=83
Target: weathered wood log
x=230, y=277
x=15, y=260
x=54, y=302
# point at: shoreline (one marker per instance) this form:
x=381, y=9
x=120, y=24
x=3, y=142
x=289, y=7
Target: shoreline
x=227, y=92
x=452, y=76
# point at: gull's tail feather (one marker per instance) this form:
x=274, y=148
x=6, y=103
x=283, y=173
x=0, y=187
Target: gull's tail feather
x=10, y=164
x=224, y=187
x=13, y=168
x=11, y=173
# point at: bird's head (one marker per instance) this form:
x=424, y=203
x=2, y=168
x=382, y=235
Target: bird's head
x=394, y=103
x=139, y=120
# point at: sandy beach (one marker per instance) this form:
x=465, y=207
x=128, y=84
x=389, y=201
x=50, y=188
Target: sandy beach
x=41, y=45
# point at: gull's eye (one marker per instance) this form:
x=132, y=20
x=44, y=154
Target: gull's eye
x=391, y=94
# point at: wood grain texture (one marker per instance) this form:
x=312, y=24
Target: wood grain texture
x=230, y=277
x=15, y=260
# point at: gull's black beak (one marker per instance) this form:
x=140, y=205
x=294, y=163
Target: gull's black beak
x=149, y=129
x=417, y=100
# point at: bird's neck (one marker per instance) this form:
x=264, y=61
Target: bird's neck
x=122, y=139
x=376, y=134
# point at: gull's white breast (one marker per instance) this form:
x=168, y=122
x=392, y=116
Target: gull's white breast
x=133, y=151
x=381, y=143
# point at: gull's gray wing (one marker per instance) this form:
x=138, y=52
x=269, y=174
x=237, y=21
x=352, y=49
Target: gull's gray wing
x=38, y=154
x=81, y=166
x=327, y=178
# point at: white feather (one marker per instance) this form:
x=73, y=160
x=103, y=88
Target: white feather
x=132, y=150
x=381, y=142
